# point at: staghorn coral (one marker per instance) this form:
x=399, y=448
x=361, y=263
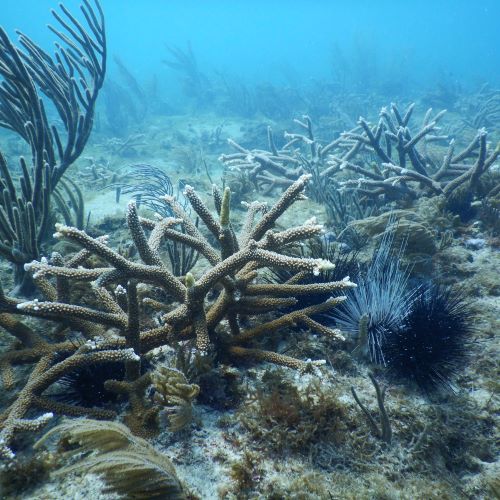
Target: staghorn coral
x=400, y=169
x=130, y=465
x=280, y=167
x=116, y=328
x=388, y=160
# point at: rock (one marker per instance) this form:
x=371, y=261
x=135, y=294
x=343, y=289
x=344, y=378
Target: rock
x=475, y=243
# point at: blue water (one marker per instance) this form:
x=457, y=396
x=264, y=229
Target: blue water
x=417, y=44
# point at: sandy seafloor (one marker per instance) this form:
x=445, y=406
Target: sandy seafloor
x=204, y=457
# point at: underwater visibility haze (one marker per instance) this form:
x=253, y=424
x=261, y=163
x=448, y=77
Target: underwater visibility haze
x=249, y=249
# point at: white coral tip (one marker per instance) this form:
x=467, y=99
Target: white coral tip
x=131, y=355
x=319, y=362
x=323, y=265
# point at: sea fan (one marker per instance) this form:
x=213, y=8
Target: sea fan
x=130, y=466
x=147, y=185
x=429, y=345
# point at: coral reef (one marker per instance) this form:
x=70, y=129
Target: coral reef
x=385, y=158
x=278, y=167
x=208, y=345
x=118, y=331
x=400, y=170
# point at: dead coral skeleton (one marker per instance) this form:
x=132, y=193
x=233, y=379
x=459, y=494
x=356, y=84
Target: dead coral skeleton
x=117, y=328
x=387, y=159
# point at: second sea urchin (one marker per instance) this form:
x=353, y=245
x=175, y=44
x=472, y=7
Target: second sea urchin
x=429, y=345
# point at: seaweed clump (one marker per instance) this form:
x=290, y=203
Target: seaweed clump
x=25, y=473
x=283, y=418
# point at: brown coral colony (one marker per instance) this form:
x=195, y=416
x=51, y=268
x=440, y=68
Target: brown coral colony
x=114, y=332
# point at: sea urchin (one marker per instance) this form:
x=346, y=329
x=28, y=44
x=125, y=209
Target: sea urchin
x=429, y=345
x=85, y=386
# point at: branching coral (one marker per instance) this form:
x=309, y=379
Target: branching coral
x=388, y=159
x=400, y=168
x=280, y=167
x=118, y=329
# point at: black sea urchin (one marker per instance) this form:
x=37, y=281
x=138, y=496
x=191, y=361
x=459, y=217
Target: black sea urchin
x=429, y=345
x=85, y=386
